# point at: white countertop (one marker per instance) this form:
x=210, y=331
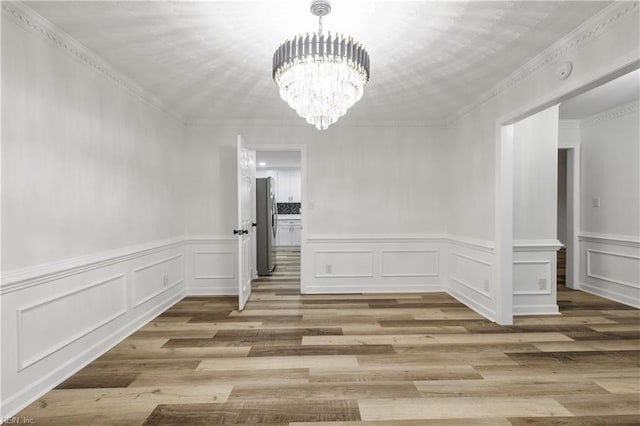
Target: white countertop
x=289, y=216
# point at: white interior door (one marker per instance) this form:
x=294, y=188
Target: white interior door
x=246, y=180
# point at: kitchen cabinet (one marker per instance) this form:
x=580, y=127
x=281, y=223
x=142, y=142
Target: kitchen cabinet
x=289, y=184
x=289, y=232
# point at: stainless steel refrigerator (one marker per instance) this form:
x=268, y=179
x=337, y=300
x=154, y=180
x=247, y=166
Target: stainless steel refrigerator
x=266, y=224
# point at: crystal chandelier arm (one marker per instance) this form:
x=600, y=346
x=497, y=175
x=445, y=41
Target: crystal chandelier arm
x=314, y=45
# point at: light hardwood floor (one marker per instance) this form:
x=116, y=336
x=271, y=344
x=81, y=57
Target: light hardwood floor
x=393, y=359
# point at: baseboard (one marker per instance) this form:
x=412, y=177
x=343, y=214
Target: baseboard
x=611, y=295
x=485, y=311
x=536, y=310
x=329, y=289
x=210, y=292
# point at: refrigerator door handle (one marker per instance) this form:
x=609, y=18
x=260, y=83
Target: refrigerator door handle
x=274, y=216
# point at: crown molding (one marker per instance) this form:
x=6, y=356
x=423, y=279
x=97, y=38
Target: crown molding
x=30, y=20
x=207, y=122
x=588, y=30
x=611, y=114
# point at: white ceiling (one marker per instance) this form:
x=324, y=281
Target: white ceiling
x=212, y=60
x=615, y=93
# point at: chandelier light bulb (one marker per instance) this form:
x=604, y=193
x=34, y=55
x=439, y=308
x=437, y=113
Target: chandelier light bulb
x=320, y=76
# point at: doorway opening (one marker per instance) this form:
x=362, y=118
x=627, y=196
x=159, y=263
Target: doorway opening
x=568, y=213
x=279, y=256
x=597, y=171
x=561, y=261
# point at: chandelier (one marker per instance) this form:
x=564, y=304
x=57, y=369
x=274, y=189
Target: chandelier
x=320, y=76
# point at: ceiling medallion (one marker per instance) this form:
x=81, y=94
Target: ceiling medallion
x=320, y=76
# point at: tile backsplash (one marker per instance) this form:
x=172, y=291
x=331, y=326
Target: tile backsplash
x=289, y=208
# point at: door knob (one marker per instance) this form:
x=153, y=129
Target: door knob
x=237, y=231
x=254, y=224
x=244, y=231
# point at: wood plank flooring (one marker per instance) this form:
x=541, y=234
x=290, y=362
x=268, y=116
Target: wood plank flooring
x=375, y=359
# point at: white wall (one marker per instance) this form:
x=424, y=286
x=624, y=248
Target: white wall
x=610, y=252
x=610, y=171
x=86, y=167
x=596, y=49
x=535, y=171
x=362, y=182
x=92, y=219
x=568, y=133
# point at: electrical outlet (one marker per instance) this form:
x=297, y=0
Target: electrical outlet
x=165, y=280
x=486, y=285
x=328, y=269
x=542, y=283
x=595, y=202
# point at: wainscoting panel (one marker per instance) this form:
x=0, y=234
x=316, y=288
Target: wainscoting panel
x=208, y=265
x=535, y=277
x=212, y=265
x=471, y=272
x=618, y=268
x=56, y=318
x=410, y=263
x=532, y=277
x=343, y=263
x=611, y=267
x=373, y=263
x=68, y=318
x=156, y=277
x=470, y=277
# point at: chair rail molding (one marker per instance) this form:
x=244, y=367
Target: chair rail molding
x=39, y=274
x=623, y=240
x=537, y=245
